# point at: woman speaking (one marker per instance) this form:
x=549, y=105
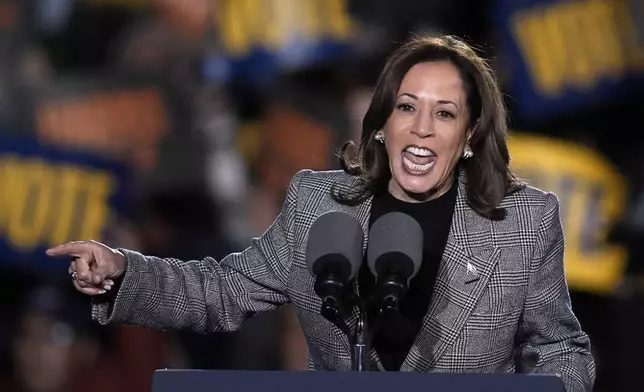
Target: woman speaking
x=491, y=294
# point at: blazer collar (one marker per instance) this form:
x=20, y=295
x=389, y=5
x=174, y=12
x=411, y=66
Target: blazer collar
x=467, y=264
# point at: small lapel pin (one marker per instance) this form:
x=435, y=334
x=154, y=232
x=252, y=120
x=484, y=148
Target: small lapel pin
x=472, y=274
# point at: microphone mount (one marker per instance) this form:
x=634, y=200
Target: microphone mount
x=330, y=284
x=392, y=290
x=393, y=271
x=332, y=274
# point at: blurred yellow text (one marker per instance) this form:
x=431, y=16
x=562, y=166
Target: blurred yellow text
x=44, y=204
x=246, y=25
x=593, y=196
x=577, y=44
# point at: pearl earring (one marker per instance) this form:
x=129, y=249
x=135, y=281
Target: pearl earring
x=379, y=137
x=468, y=154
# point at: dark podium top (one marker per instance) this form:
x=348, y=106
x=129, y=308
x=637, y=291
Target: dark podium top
x=281, y=381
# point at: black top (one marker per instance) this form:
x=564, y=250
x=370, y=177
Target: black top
x=393, y=338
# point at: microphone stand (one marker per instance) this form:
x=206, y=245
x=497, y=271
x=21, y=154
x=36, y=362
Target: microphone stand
x=360, y=341
x=359, y=338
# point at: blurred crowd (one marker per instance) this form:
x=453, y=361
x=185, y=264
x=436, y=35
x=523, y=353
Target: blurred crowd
x=172, y=127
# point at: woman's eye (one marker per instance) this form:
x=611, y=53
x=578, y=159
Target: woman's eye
x=445, y=114
x=405, y=107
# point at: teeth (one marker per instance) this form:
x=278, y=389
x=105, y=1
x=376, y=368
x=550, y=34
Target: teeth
x=417, y=168
x=421, y=152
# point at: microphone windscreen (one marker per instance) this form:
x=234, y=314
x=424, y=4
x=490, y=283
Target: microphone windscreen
x=395, y=233
x=339, y=233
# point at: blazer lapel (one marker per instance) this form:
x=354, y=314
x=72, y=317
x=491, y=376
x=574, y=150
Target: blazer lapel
x=466, y=266
x=363, y=213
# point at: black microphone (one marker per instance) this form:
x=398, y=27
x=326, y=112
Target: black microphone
x=394, y=255
x=333, y=256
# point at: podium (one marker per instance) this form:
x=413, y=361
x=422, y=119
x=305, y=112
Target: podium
x=284, y=381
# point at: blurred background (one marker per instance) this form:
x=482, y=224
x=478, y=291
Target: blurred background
x=173, y=127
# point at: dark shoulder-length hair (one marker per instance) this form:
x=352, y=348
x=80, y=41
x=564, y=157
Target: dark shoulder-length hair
x=488, y=175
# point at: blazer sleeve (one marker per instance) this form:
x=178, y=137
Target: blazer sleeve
x=207, y=295
x=549, y=335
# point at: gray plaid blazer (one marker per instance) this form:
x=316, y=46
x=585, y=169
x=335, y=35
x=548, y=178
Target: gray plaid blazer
x=500, y=303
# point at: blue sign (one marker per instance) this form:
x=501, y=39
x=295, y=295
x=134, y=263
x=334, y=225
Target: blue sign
x=50, y=196
x=261, y=39
x=569, y=55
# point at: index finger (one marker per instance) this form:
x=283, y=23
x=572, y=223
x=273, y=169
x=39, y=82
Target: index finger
x=74, y=248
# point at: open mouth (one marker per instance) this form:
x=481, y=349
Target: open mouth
x=418, y=160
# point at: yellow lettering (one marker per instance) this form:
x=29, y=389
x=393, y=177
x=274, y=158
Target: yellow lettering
x=70, y=181
x=235, y=34
x=32, y=204
x=569, y=19
x=338, y=16
x=542, y=48
x=572, y=216
x=98, y=187
x=577, y=44
x=44, y=204
x=311, y=19
x=256, y=24
x=7, y=179
x=593, y=197
x=275, y=34
x=273, y=24
x=602, y=37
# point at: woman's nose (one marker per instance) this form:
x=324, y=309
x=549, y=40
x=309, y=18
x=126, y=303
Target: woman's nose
x=423, y=126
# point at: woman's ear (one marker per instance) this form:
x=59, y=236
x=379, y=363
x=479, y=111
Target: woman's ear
x=468, y=138
x=471, y=132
